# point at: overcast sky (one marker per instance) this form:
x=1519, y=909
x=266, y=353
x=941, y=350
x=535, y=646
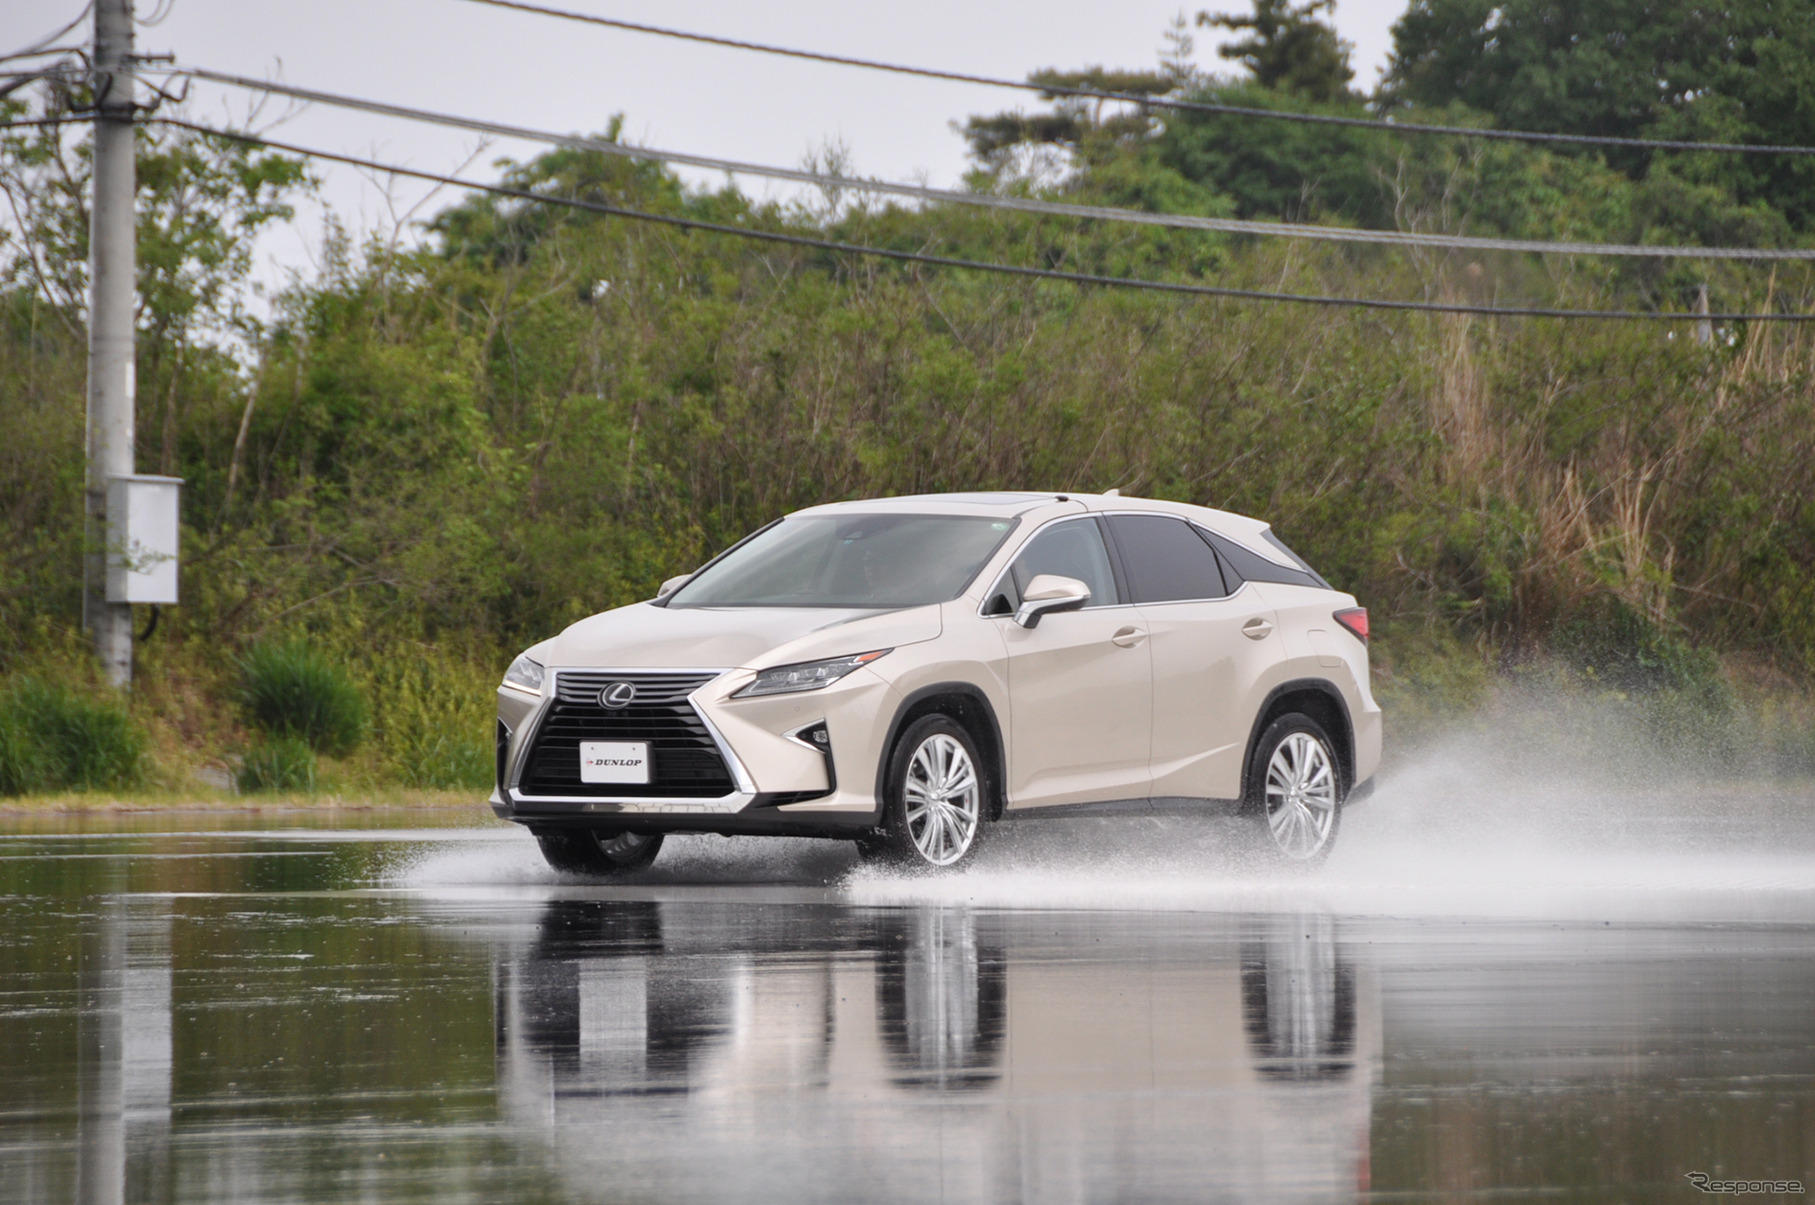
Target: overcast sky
x=465, y=58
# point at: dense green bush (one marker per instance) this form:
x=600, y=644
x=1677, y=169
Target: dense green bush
x=292, y=689
x=54, y=739
x=282, y=763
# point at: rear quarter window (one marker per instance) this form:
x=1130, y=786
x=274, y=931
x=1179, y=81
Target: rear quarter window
x=1250, y=566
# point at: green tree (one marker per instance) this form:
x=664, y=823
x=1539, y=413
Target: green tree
x=1289, y=49
x=201, y=202
x=1280, y=169
x=1080, y=123
x=1211, y=164
x=1741, y=71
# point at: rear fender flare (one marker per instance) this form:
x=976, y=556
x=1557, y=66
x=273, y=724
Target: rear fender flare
x=1320, y=686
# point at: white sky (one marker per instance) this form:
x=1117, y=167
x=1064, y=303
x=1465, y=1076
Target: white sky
x=464, y=58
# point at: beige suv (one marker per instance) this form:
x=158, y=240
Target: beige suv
x=906, y=672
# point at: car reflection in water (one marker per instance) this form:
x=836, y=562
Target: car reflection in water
x=691, y=1050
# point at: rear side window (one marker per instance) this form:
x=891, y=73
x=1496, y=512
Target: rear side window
x=1071, y=549
x=1165, y=560
x=1280, y=544
x=1252, y=567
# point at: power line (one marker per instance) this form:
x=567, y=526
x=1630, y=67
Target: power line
x=1339, y=234
x=1186, y=106
x=943, y=261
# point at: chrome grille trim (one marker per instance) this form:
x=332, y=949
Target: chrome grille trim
x=686, y=747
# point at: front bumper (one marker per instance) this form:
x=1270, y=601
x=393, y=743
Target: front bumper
x=751, y=766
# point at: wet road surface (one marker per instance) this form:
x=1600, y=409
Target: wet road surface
x=1096, y=1014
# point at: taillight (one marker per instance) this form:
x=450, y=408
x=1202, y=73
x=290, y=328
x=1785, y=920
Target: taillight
x=1355, y=619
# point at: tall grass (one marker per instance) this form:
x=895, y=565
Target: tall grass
x=53, y=738
x=293, y=689
x=434, y=715
x=283, y=763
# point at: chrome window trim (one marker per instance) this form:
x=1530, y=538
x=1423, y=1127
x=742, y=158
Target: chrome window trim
x=1169, y=602
x=1173, y=602
x=1235, y=593
x=1217, y=560
x=1162, y=514
x=736, y=801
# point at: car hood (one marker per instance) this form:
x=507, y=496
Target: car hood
x=647, y=636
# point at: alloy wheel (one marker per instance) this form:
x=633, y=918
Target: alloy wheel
x=943, y=798
x=1301, y=795
x=621, y=847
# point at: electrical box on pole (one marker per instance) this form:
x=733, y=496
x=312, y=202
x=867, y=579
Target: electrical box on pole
x=143, y=529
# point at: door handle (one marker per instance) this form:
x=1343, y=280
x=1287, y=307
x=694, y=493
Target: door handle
x=1128, y=637
x=1257, y=628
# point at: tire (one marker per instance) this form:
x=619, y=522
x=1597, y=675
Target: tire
x=1296, y=785
x=597, y=853
x=936, y=798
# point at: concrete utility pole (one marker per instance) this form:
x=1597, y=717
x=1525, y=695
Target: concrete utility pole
x=112, y=370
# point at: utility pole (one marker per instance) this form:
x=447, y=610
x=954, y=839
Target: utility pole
x=112, y=369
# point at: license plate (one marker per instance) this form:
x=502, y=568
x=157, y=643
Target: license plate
x=614, y=761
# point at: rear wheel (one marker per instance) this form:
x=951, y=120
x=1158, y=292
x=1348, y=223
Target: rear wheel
x=596, y=853
x=933, y=812
x=1295, y=790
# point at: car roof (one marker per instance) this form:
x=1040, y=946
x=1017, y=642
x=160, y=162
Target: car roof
x=1240, y=528
x=994, y=505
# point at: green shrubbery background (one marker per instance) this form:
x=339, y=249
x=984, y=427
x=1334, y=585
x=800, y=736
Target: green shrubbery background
x=55, y=738
x=423, y=460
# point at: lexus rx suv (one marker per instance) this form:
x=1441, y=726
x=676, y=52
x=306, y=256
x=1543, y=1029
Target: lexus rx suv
x=907, y=673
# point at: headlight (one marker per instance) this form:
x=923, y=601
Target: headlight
x=525, y=673
x=808, y=675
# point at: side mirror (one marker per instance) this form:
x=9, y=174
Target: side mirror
x=672, y=584
x=1049, y=592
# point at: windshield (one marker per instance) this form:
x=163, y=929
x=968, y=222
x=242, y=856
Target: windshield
x=849, y=561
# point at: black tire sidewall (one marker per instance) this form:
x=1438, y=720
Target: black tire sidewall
x=895, y=843
x=1254, y=801
x=578, y=851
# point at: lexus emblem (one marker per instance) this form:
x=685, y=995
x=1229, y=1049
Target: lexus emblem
x=618, y=694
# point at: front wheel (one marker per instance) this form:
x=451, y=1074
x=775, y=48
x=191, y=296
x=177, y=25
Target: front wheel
x=596, y=854
x=933, y=813
x=1295, y=791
